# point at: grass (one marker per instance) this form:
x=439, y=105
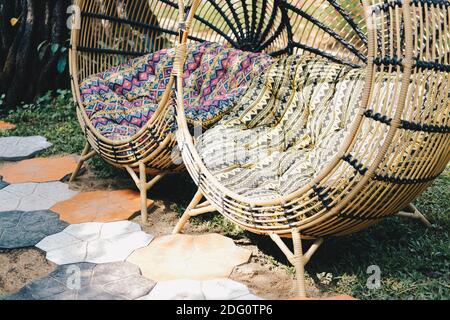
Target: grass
x=54, y=116
x=414, y=260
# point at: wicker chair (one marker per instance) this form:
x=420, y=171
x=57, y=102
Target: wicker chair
x=398, y=141
x=110, y=33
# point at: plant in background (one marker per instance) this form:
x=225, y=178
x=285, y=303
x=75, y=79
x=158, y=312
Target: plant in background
x=56, y=51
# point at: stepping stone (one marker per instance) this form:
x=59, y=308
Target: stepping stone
x=3, y=184
x=87, y=281
x=34, y=196
x=100, y=206
x=4, y=126
x=202, y=257
x=20, y=229
x=94, y=242
x=38, y=170
x=20, y=148
x=219, y=289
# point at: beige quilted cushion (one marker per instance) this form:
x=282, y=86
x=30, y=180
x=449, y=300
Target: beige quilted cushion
x=286, y=128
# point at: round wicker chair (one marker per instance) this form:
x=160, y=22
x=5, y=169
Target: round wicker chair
x=110, y=33
x=398, y=141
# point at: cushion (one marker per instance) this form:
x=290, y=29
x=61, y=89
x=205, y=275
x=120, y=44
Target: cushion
x=286, y=127
x=121, y=100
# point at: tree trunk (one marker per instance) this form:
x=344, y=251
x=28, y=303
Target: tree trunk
x=24, y=72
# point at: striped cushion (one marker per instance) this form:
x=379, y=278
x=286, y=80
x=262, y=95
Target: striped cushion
x=288, y=125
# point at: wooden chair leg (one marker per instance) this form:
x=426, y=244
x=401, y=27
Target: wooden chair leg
x=86, y=155
x=143, y=186
x=413, y=213
x=188, y=213
x=297, y=258
x=299, y=263
x=143, y=190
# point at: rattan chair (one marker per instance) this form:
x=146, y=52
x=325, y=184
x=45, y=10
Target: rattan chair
x=110, y=33
x=399, y=138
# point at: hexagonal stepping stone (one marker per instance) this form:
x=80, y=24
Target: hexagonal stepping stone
x=19, y=148
x=20, y=229
x=197, y=257
x=33, y=196
x=3, y=184
x=38, y=170
x=6, y=126
x=87, y=281
x=100, y=206
x=95, y=242
x=218, y=289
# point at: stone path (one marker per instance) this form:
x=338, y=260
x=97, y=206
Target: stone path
x=19, y=148
x=33, y=196
x=3, y=184
x=86, y=281
x=219, y=289
x=91, y=252
x=197, y=257
x=100, y=206
x=38, y=170
x=95, y=242
x=20, y=229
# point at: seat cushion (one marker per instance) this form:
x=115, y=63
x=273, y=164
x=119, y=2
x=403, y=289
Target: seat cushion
x=121, y=100
x=285, y=129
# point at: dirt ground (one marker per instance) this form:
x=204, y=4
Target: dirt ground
x=263, y=275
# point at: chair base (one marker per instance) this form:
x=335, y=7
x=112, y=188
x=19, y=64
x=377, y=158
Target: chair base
x=87, y=154
x=296, y=258
x=412, y=212
x=140, y=181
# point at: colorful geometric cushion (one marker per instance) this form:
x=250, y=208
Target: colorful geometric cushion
x=121, y=100
x=285, y=129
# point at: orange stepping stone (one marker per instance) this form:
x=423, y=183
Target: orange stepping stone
x=6, y=126
x=100, y=206
x=38, y=170
x=195, y=257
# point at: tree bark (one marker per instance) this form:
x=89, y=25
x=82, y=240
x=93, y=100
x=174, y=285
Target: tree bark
x=23, y=75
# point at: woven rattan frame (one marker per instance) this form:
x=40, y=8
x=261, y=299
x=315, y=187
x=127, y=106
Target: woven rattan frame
x=407, y=41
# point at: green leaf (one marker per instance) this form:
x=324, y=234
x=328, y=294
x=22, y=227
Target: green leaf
x=62, y=63
x=55, y=48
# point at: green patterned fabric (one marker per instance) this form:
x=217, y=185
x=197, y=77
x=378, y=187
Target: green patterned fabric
x=286, y=128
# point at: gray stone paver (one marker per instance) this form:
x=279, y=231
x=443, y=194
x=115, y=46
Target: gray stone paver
x=34, y=196
x=20, y=229
x=20, y=148
x=3, y=184
x=95, y=242
x=86, y=281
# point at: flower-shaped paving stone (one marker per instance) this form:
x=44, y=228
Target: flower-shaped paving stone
x=3, y=184
x=87, y=281
x=100, y=206
x=38, y=170
x=218, y=289
x=4, y=126
x=33, y=196
x=24, y=229
x=95, y=242
x=19, y=148
x=181, y=256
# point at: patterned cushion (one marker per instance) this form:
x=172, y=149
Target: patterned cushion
x=121, y=100
x=288, y=125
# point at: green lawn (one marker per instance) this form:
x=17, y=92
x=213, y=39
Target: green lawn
x=414, y=260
